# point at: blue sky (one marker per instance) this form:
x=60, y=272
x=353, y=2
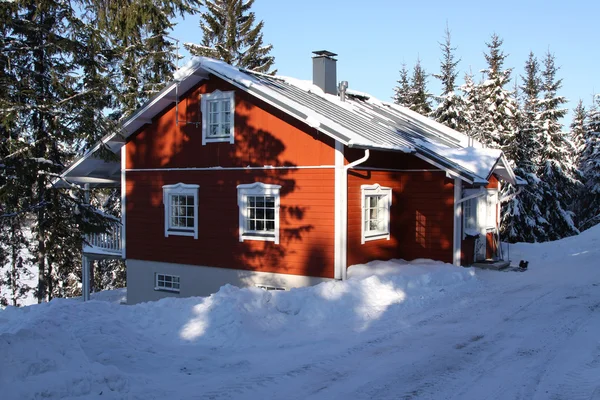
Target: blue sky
x=373, y=39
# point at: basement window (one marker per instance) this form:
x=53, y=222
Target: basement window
x=181, y=210
x=166, y=282
x=268, y=287
x=218, y=110
x=258, y=212
x=376, y=202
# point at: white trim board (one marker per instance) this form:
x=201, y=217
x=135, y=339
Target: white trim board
x=266, y=167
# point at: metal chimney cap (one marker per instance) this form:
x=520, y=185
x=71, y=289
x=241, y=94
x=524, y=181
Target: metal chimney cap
x=324, y=53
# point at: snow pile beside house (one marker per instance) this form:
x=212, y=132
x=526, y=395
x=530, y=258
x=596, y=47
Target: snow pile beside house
x=67, y=348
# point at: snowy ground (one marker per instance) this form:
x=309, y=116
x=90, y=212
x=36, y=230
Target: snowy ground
x=418, y=331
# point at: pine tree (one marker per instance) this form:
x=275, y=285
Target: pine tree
x=451, y=109
x=590, y=164
x=523, y=219
x=144, y=55
x=402, y=91
x=48, y=44
x=556, y=170
x=418, y=95
x=498, y=104
x=473, y=106
x=578, y=130
x=577, y=135
x=230, y=34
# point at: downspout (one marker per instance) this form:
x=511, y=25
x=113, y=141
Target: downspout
x=341, y=209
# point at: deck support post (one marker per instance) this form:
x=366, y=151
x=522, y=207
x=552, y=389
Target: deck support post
x=85, y=278
x=85, y=262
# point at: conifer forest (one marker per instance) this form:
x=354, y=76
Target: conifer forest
x=71, y=71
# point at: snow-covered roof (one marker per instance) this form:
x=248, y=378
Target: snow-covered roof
x=360, y=121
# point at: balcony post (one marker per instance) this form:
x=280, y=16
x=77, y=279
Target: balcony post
x=85, y=278
x=85, y=262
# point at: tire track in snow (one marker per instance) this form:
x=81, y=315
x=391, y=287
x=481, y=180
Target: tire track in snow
x=583, y=382
x=538, y=346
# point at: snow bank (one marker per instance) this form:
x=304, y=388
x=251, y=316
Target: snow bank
x=67, y=348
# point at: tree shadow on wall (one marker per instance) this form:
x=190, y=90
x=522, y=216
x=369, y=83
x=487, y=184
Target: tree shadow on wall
x=259, y=147
x=256, y=146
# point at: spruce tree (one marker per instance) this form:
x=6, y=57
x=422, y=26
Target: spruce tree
x=48, y=45
x=230, y=33
x=578, y=130
x=498, y=103
x=418, y=95
x=402, y=91
x=523, y=219
x=451, y=109
x=556, y=170
x=578, y=135
x=590, y=165
x=473, y=107
x=145, y=57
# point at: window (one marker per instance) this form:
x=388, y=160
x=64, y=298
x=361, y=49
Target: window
x=376, y=202
x=181, y=210
x=259, y=212
x=470, y=216
x=166, y=282
x=218, y=109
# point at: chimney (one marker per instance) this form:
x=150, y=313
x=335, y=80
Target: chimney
x=324, y=71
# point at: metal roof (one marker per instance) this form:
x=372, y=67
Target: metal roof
x=360, y=121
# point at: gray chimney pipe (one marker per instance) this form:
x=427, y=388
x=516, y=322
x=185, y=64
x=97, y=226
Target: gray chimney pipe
x=324, y=71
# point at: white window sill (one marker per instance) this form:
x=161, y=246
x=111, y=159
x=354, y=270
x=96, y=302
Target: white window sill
x=226, y=139
x=160, y=289
x=180, y=233
x=377, y=236
x=253, y=236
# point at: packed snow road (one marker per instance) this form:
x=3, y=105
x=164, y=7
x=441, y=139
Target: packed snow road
x=418, y=331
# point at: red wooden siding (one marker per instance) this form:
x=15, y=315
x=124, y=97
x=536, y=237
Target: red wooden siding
x=421, y=213
x=263, y=136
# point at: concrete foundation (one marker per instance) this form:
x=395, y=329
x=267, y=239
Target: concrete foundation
x=200, y=280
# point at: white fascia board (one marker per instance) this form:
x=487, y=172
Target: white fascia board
x=143, y=116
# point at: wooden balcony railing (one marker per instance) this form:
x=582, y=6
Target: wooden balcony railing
x=107, y=243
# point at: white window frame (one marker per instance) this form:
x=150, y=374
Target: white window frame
x=180, y=189
x=160, y=277
x=205, y=100
x=257, y=189
x=470, y=215
x=386, y=194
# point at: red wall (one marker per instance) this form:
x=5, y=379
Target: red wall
x=263, y=136
x=421, y=224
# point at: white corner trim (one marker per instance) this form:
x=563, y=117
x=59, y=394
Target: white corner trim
x=375, y=190
x=257, y=189
x=180, y=189
x=123, y=202
x=457, y=239
x=340, y=190
x=217, y=95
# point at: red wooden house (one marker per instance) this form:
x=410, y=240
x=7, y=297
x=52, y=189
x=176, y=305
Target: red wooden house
x=230, y=176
